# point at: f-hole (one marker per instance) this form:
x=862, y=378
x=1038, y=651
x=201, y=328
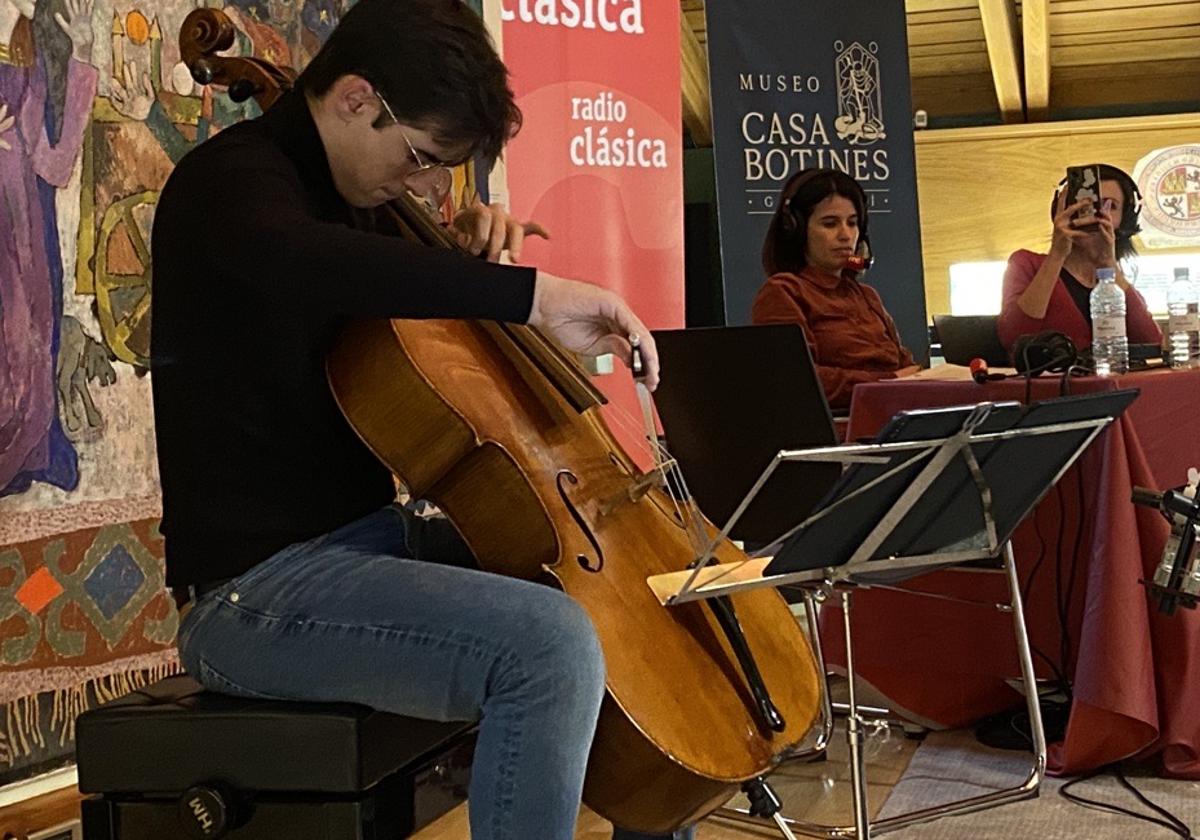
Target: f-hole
x=589, y=564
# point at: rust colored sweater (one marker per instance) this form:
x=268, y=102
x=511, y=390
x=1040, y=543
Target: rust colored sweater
x=852, y=337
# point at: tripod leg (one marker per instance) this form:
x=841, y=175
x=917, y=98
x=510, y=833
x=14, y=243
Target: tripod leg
x=854, y=735
x=765, y=803
x=783, y=827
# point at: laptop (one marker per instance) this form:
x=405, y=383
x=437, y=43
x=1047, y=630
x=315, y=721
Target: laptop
x=967, y=337
x=730, y=398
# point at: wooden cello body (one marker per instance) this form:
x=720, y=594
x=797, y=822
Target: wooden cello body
x=540, y=490
x=501, y=430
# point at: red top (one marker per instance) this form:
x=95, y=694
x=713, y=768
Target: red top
x=1061, y=313
x=850, y=334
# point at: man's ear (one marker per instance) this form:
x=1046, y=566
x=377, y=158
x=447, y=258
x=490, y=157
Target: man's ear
x=353, y=97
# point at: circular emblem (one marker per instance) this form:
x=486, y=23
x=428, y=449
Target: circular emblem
x=204, y=812
x=1170, y=184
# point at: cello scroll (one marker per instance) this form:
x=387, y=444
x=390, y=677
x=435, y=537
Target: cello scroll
x=204, y=33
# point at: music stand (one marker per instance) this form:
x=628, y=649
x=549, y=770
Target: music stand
x=936, y=489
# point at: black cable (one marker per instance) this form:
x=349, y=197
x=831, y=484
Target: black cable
x=1029, y=374
x=1064, y=646
x=1026, y=588
x=1065, y=598
x=1081, y=515
x=1059, y=670
x=1185, y=831
x=1170, y=822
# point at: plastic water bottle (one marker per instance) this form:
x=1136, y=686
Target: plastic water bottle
x=1110, y=347
x=1183, y=325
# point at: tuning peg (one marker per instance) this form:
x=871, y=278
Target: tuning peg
x=242, y=89
x=202, y=71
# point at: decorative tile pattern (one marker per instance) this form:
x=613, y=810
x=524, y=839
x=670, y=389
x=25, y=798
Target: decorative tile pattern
x=39, y=589
x=114, y=581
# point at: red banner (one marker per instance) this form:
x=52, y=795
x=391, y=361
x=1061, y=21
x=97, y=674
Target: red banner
x=599, y=161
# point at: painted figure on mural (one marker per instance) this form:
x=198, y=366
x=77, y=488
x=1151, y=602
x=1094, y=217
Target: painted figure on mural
x=136, y=95
x=49, y=359
x=37, y=156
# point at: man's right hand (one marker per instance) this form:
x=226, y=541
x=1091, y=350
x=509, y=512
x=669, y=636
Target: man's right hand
x=591, y=321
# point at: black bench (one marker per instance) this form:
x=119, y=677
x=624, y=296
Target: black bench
x=176, y=761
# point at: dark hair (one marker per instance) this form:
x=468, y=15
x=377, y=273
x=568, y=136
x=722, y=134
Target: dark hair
x=787, y=237
x=434, y=63
x=1131, y=202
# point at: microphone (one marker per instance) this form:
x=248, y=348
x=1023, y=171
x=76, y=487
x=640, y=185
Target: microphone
x=856, y=262
x=979, y=370
x=1177, y=578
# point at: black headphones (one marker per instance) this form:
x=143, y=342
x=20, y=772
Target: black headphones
x=1129, y=226
x=791, y=222
x=1045, y=352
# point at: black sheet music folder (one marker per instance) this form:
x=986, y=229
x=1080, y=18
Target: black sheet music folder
x=949, y=515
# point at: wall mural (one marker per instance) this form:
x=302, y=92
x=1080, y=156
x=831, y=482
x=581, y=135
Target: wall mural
x=95, y=109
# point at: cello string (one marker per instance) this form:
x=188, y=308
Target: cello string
x=664, y=463
x=671, y=473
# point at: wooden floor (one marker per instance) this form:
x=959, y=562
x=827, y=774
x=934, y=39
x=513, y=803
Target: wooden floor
x=815, y=791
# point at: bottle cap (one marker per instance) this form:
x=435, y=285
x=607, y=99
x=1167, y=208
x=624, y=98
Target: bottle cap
x=1103, y=274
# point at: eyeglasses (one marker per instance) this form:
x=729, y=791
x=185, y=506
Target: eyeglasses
x=431, y=181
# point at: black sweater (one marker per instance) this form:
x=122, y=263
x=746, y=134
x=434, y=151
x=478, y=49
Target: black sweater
x=257, y=264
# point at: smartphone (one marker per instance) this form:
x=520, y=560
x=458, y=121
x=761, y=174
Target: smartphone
x=1083, y=183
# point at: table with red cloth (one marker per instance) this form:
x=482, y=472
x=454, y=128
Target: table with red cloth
x=1135, y=671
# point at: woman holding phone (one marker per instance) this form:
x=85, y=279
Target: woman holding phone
x=1053, y=291
x=814, y=250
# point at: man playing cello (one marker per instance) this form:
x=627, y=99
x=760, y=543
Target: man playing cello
x=304, y=580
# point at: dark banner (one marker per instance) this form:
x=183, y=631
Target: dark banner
x=801, y=84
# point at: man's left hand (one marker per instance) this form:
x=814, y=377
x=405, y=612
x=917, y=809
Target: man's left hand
x=490, y=229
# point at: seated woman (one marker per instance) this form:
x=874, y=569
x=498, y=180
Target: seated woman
x=819, y=226
x=1052, y=291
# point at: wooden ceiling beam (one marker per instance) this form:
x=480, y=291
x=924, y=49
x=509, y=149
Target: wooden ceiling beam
x=1035, y=32
x=916, y=7
x=1120, y=54
x=1142, y=83
x=948, y=65
x=1123, y=19
x=945, y=33
x=697, y=108
x=1105, y=39
x=1000, y=31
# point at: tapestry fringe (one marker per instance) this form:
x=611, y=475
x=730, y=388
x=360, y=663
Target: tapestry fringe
x=22, y=731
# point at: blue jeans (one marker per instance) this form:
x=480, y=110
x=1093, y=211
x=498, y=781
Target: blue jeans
x=389, y=612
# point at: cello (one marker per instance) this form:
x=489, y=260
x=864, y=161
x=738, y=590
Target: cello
x=502, y=430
